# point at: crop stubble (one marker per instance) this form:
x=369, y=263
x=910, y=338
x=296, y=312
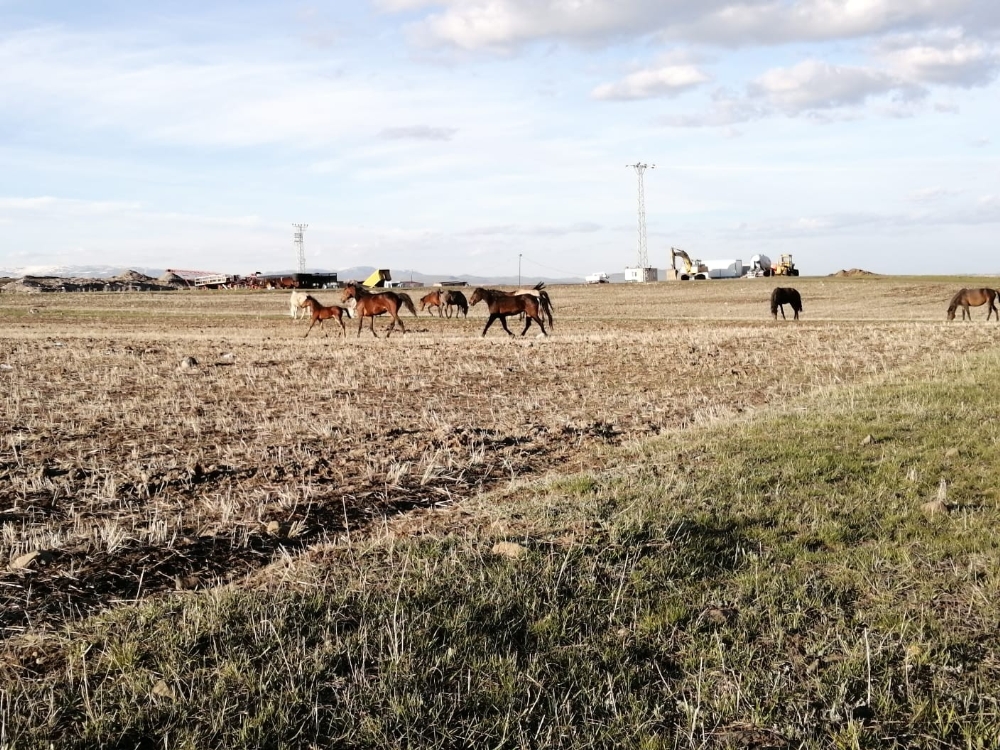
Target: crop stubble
x=136, y=477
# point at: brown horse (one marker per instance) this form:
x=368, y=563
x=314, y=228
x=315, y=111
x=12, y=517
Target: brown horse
x=965, y=298
x=502, y=305
x=432, y=300
x=457, y=300
x=370, y=304
x=785, y=295
x=321, y=313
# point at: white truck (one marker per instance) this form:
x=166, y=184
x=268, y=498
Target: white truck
x=597, y=278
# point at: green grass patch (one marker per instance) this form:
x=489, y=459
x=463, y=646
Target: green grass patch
x=773, y=583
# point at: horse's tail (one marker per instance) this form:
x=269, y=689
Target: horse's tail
x=408, y=303
x=546, y=304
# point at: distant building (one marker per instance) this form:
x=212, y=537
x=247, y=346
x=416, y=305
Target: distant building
x=451, y=283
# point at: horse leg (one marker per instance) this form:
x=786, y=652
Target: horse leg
x=796, y=313
x=310, y=327
x=503, y=322
x=361, y=323
x=396, y=319
x=782, y=308
x=527, y=324
x=372, y=318
x=489, y=322
x=541, y=325
x=340, y=319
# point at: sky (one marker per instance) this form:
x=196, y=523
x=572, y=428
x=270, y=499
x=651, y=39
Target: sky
x=468, y=136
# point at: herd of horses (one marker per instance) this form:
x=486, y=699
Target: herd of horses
x=533, y=304
x=361, y=302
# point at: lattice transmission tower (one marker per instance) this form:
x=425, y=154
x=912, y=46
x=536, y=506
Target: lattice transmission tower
x=300, y=245
x=639, y=168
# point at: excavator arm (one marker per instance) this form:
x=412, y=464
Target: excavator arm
x=676, y=253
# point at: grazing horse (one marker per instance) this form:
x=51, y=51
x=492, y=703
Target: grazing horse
x=369, y=304
x=502, y=305
x=974, y=297
x=785, y=295
x=457, y=300
x=432, y=300
x=321, y=313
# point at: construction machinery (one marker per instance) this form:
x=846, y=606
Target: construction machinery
x=728, y=268
x=760, y=265
x=378, y=278
x=693, y=269
x=785, y=267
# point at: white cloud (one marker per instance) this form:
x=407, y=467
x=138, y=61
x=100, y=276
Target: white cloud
x=822, y=90
x=668, y=80
x=778, y=22
x=942, y=58
x=930, y=194
x=815, y=84
x=191, y=96
x=419, y=132
x=502, y=25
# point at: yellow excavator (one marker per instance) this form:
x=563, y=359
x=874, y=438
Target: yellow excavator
x=693, y=269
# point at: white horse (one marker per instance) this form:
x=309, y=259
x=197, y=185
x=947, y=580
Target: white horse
x=297, y=309
x=295, y=305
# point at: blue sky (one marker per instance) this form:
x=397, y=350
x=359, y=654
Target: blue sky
x=449, y=136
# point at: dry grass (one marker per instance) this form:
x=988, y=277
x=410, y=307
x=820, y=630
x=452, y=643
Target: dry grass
x=139, y=477
x=759, y=576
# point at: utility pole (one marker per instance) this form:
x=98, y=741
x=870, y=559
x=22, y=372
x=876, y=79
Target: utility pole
x=639, y=168
x=300, y=245
x=519, y=270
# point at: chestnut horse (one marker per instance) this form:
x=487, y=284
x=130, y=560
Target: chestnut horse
x=321, y=313
x=785, y=295
x=502, y=305
x=369, y=304
x=432, y=300
x=973, y=297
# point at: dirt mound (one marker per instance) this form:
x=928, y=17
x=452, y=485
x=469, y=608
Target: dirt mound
x=132, y=276
x=172, y=278
x=854, y=272
x=24, y=285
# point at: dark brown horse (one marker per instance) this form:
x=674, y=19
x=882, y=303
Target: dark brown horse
x=321, y=313
x=502, y=305
x=432, y=300
x=785, y=295
x=966, y=298
x=370, y=304
x=457, y=300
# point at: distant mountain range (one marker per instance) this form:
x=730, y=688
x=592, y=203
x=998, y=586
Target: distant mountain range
x=358, y=273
